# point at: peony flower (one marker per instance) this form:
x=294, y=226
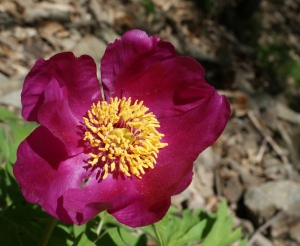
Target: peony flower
x=127, y=151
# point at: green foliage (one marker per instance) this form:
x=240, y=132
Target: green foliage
x=12, y=131
x=122, y=236
x=198, y=226
x=149, y=6
x=276, y=61
x=23, y=224
x=150, y=10
x=220, y=233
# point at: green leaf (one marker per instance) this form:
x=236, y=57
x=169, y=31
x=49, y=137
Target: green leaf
x=61, y=235
x=26, y=219
x=83, y=240
x=31, y=222
x=233, y=237
x=244, y=242
x=105, y=239
x=142, y=240
x=178, y=230
x=12, y=132
x=6, y=115
x=4, y=146
x=163, y=223
x=123, y=237
x=161, y=227
x=220, y=233
x=8, y=233
x=78, y=229
x=193, y=234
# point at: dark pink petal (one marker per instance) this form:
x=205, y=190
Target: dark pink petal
x=44, y=172
x=56, y=115
x=58, y=92
x=170, y=87
x=98, y=195
x=133, y=202
x=78, y=75
x=129, y=56
x=155, y=188
x=189, y=134
x=141, y=214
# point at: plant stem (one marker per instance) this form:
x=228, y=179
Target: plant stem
x=48, y=231
x=158, y=235
x=101, y=223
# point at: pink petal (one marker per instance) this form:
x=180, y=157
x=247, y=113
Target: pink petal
x=98, y=195
x=56, y=115
x=189, y=134
x=170, y=87
x=57, y=93
x=44, y=172
x=141, y=214
x=78, y=75
x=132, y=201
x=129, y=56
x=155, y=188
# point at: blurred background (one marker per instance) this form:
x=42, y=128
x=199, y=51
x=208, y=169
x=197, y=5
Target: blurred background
x=250, y=50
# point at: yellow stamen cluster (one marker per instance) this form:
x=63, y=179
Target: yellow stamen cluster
x=123, y=136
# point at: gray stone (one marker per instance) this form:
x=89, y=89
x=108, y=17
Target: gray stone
x=108, y=35
x=8, y=86
x=90, y=45
x=207, y=158
x=3, y=78
x=261, y=240
x=287, y=114
x=294, y=232
x=264, y=200
x=12, y=99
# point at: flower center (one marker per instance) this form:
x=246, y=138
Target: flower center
x=122, y=136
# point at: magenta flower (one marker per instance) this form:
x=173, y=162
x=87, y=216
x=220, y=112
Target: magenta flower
x=126, y=153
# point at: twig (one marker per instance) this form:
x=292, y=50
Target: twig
x=218, y=183
x=273, y=144
x=261, y=151
x=14, y=47
x=264, y=226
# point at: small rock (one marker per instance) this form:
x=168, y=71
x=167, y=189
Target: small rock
x=264, y=200
x=3, y=78
x=262, y=241
x=90, y=45
x=294, y=232
x=287, y=114
x=232, y=189
x=8, y=86
x=108, y=35
x=13, y=98
x=208, y=159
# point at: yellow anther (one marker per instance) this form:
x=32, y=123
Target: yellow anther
x=123, y=135
x=112, y=166
x=93, y=162
x=105, y=171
